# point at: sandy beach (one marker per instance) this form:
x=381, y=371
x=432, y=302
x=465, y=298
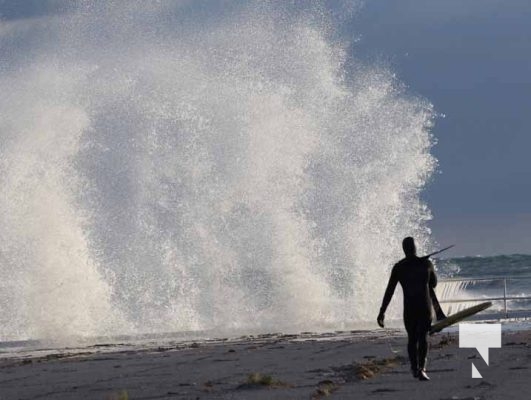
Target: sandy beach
x=340, y=365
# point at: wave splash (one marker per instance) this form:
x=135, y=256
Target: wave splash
x=165, y=168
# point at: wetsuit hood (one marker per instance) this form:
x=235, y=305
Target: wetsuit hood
x=408, y=245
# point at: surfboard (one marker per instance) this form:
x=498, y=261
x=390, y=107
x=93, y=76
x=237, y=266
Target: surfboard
x=439, y=313
x=459, y=316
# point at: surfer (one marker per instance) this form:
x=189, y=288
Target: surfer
x=416, y=276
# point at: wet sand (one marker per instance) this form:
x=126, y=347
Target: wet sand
x=346, y=365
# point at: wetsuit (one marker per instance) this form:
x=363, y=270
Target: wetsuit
x=416, y=276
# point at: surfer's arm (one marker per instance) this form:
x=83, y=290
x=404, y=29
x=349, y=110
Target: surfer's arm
x=393, y=280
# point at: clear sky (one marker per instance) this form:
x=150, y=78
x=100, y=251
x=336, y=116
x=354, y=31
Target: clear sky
x=472, y=60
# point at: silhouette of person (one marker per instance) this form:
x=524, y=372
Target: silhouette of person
x=416, y=276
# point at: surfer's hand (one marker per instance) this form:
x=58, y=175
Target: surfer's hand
x=380, y=320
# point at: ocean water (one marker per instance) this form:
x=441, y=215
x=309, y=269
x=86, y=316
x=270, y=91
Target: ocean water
x=479, y=278
x=186, y=166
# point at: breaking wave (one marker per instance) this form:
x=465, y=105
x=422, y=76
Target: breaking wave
x=174, y=167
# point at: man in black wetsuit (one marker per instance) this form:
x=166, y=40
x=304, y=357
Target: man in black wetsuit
x=416, y=276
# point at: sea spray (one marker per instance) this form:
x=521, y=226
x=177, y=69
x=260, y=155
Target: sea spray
x=174, y=166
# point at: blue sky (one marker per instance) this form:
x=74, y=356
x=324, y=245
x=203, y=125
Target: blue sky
x=472, y=60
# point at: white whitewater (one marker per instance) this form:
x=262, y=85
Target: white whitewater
x=174, y=167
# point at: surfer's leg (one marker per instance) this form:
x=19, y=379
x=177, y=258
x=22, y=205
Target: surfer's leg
x=412, y=343
x=423, y=328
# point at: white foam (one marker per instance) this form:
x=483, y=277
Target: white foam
x=165, y=170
